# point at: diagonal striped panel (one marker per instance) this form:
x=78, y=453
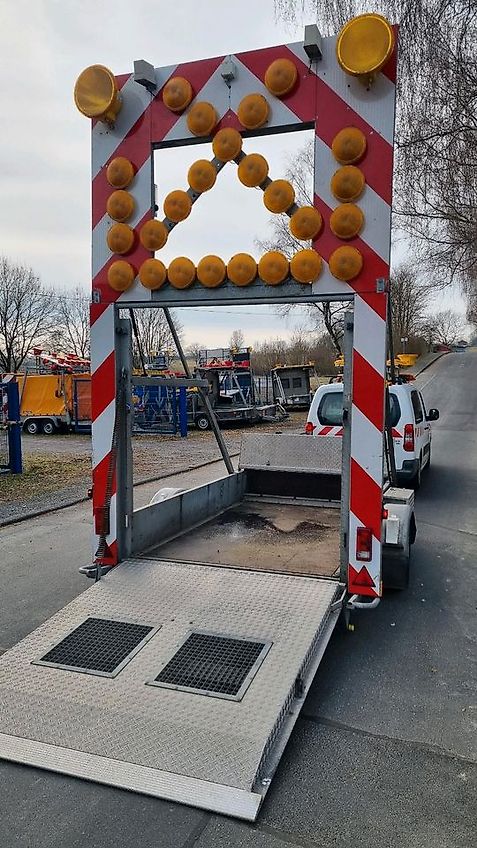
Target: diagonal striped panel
x=368, y=391
x=104, y=379
x=366, y=445
x=377, y=212
x=374, y=107
x=366, y=498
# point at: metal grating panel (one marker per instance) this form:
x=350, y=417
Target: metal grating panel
x=211, y=664
x=98, y=646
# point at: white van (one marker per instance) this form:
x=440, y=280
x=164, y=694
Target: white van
x=410, y=422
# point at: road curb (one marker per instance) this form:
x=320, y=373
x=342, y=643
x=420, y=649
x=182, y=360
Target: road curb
x=39, y=512
x=428, y=364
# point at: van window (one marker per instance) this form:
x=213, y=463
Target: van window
x=296, y=382
x=416, y=405
x=330, y=410
x=285, y=382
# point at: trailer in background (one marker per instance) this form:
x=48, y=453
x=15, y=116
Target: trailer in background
x=291, y=385
x=52, y=403
x=233, y=390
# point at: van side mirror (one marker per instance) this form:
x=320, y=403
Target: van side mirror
x=432, y=415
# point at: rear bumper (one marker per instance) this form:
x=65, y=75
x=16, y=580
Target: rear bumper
x=408, y=471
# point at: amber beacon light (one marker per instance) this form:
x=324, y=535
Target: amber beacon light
x=364, y=45
x=96, y=94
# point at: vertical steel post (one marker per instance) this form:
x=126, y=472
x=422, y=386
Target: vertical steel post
x=183, y=411
x=346, y=442
x=204, y=395
x=124, y=459
x=14, y=428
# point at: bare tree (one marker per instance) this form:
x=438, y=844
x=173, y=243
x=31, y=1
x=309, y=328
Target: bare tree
x=194, y=349
x=300, y=173
x=26, y=313
x=443, y=327
x=237, y=340
x=409, y=302
x=71, y=333
x=268, y=354
x=436, y=160
x=154, y=334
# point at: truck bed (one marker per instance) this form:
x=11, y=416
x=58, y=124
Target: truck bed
x=262, y=536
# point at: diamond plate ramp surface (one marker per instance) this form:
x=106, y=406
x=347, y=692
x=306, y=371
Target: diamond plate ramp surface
x=49, y=714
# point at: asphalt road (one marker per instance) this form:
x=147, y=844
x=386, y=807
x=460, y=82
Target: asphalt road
x=385, y=752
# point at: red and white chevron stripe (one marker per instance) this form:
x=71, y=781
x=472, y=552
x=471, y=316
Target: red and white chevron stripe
x=328, y=100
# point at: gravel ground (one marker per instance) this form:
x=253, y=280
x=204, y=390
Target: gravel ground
x=57, y=468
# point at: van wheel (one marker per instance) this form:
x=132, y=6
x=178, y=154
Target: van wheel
x=49, y=428
x=202, y=422
x=416, y=480
x=428, y=463
x=31, y=427
x=395, y=571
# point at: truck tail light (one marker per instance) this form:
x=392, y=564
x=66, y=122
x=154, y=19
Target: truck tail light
x=309, y=428
x=408, y=443
x=364, y=544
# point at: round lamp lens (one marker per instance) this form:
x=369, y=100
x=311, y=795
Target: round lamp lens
x=181, y=273
x=242, y=269
x=345, y=263
x=177, y=206
x=253, y=111
x=121, y=275
x=227, y=144
x=306, y=223
x=211, y=271
x=252, y=170
x=365, y=44
x=273, y=268
x=152, y=274
x=305, y=266
x=280, y=77
x=153, y=235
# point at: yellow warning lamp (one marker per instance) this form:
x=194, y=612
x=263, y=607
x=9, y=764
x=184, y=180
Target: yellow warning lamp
x=306, y=223
x=96, y=94
x=346, y=221
x=120, y=238
x=201, y=119
x=120, y=172
x=305, y=266
x=273, y=268
x=347, y=183
x=120, y=205
x=153, y=235
x=349, y=146
x=280, y=77
x=279, y=196
x=345, y=262
x=152, y=274
x=177, y=206
x=364, y=46
x=201, y=176
x=177, y=94
x=211, y=271
x=181, y=273
x=242, y=269
x=253, y=170
x=227, y=144
x=253, y=111
x=121, y=275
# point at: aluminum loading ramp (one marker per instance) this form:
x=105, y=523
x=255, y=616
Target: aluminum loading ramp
x=112, y=726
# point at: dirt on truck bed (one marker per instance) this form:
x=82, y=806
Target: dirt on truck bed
x=57, y=469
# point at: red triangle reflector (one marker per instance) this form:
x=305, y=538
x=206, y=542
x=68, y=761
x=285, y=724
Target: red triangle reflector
x=361, y=577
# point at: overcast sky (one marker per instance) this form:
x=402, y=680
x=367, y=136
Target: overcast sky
x=45, y=142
